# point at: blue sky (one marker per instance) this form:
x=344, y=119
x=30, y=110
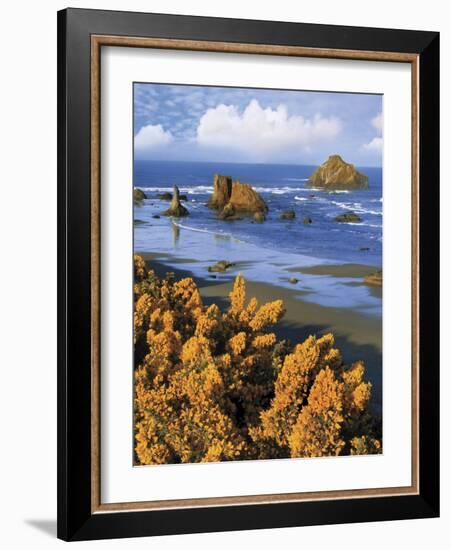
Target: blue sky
x=201, y=123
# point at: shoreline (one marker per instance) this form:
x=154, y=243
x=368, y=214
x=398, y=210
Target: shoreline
x=357, y=335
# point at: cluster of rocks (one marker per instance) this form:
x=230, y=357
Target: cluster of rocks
x=234, y=199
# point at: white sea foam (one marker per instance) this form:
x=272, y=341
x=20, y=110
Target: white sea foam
x=356, y=207
x=196, y=190
x=278, y=190
x=300, y=198
x=345, y=205
x=366, y=211
x=205, y=189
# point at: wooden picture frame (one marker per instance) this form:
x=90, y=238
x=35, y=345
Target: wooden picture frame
x=81, y=35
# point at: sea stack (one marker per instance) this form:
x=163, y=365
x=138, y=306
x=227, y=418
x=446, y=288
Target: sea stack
x=176, y=209
x=222, y=189
x=335, y=173
x=232, y=198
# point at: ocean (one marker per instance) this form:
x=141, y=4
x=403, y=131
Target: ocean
x=272, y=250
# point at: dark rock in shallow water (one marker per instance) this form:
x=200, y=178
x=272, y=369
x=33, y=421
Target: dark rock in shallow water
x=183, y=197
x=138, y=196
x=259, y=217
x=364, y=248
x=307, y=220
x=335, y=173
x=156, y=216
x=375, y=279
x=165, y=196
x=220, y=266
x=293, y=280
x=348, y=217
x=288, y=215
x=176, y=209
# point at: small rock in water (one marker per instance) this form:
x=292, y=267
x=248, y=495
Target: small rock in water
x=293, y=280
x=288, y=215
x=156, y=216
x=307, y=220
x=138, y=196
x=364, y=248
x=348, y=217
x=375, y=279
x=220, y=267
x=259, y=217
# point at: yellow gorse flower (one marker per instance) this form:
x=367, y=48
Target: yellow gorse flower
x=213, y=386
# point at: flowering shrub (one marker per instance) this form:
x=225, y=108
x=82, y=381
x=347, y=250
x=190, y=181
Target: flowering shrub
x=214, y=386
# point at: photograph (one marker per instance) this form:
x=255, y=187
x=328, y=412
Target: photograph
x=257, y=290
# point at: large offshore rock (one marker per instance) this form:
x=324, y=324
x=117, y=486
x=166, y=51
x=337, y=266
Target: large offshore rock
x=335, y=173
x=231, y=198
x=245, y=199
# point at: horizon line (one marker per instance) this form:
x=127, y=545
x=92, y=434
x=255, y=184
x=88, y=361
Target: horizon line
x=244, y=162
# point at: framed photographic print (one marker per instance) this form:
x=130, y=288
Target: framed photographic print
x=248, y=274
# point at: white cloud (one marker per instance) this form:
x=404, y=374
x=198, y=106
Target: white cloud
x=375, y=144
x=261, y=132
x=152, y=136
x=378, y=122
